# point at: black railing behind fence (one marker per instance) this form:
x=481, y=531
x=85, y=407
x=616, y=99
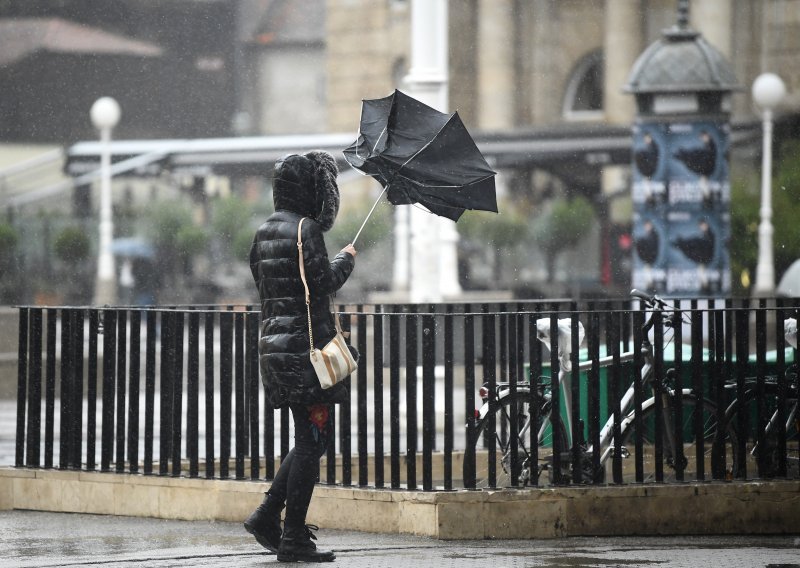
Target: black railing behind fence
x=177, y=392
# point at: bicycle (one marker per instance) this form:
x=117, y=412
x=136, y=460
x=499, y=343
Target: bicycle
x=503, y=409
x=769, y=421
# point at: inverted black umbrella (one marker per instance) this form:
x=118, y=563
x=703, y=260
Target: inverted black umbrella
x=421, y=155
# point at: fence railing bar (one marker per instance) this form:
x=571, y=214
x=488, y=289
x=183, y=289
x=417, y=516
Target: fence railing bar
x=64, y=391
x=252, y=379
x=165, y=391
x=193, y=394
x=122, y=360
x=361, y=397
x=225, y=391
x=394, y=398
x=377, y=389
x=50, y=381
x=742, y=352
x=658, y=393
x=149, y=390
x=240, y=408
x=134, y=384
x=35, y=392
x=781, y=387
x=577, y=435
x=209, y=391
x=489, y=353
x=22, y=386
x=677, y=408
x=91, y=392
x=761, y=371
x=468, y=470
x=555, y=392
x=428, y=398
x=343, y=420
x=449, y=387
x=411, y=322
x=109, y=381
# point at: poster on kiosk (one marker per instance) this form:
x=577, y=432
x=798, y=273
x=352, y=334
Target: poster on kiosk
x=681, y=208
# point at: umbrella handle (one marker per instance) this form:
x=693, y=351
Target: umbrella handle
x=369, y=215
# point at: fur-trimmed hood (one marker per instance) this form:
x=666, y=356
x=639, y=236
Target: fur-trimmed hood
x=306, y=184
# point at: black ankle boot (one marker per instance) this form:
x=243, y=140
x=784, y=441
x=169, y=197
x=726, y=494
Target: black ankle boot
x=265, y=524
x=296, y=546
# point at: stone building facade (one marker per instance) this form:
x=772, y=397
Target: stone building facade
x=532, y=68
x=519, y=63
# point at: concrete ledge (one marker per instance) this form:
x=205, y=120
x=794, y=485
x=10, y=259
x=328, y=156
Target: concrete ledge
x=693, y=508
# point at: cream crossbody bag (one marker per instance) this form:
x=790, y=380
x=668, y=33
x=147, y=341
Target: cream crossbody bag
x=333, y=362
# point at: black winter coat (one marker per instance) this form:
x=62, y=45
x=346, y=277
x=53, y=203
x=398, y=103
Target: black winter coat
x=286, y=370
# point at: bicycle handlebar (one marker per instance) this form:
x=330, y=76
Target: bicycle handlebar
x=651, y=301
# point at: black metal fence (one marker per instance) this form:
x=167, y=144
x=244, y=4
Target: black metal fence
x=177, y=391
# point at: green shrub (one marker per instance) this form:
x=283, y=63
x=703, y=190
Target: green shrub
x=72, y=245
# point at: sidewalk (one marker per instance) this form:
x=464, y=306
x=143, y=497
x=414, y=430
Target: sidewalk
x=32, y=539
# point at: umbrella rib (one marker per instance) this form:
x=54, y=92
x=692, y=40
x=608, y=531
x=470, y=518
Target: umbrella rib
x=379, y=139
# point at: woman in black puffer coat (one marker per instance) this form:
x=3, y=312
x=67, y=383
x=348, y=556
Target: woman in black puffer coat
x=303, y=186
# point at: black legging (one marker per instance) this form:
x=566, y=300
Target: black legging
x=295, y=480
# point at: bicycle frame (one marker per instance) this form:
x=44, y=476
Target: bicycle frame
x=565, y=381
x=626, y=401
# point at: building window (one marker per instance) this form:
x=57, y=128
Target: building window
x=583, y=99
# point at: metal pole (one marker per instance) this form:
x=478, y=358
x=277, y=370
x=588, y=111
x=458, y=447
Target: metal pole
x=765, y=269
x=104, y=292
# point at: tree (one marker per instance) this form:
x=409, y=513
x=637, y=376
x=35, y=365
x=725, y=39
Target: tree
x=745, y=218
x=564, y=225
x=231, y=221
x=72, y=249
x=9, y=290
x=72, y=245
x=502, y=232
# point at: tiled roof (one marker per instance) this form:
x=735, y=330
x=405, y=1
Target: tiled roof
x=22, y=37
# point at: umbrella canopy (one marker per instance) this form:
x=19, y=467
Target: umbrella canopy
x=421, y=155
x=132, y=247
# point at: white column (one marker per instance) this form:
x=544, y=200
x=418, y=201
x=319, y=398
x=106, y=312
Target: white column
x=433, y=257
x=714, y=19
x=622, y=45
x=401, y=268
x=497, y=89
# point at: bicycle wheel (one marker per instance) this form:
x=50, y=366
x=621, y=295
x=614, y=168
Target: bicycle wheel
x=672, y=463
x=746, y=465
x=526, y=472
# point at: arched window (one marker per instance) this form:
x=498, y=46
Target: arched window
x=583, y=99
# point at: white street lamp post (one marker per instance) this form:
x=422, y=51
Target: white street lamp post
x=105, y=114
x=768, y=91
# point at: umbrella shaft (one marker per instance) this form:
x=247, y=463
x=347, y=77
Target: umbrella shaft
x=374, y=205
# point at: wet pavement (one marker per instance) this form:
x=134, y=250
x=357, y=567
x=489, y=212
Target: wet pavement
x=34, y=539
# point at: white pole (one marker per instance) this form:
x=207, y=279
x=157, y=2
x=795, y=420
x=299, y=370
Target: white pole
x=765, y=269
x=768, y=91
x=105, y=115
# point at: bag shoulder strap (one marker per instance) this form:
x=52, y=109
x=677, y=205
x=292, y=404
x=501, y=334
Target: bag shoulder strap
x=305, y=285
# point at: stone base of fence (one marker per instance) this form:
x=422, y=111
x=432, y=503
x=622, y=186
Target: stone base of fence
x=701, y=508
